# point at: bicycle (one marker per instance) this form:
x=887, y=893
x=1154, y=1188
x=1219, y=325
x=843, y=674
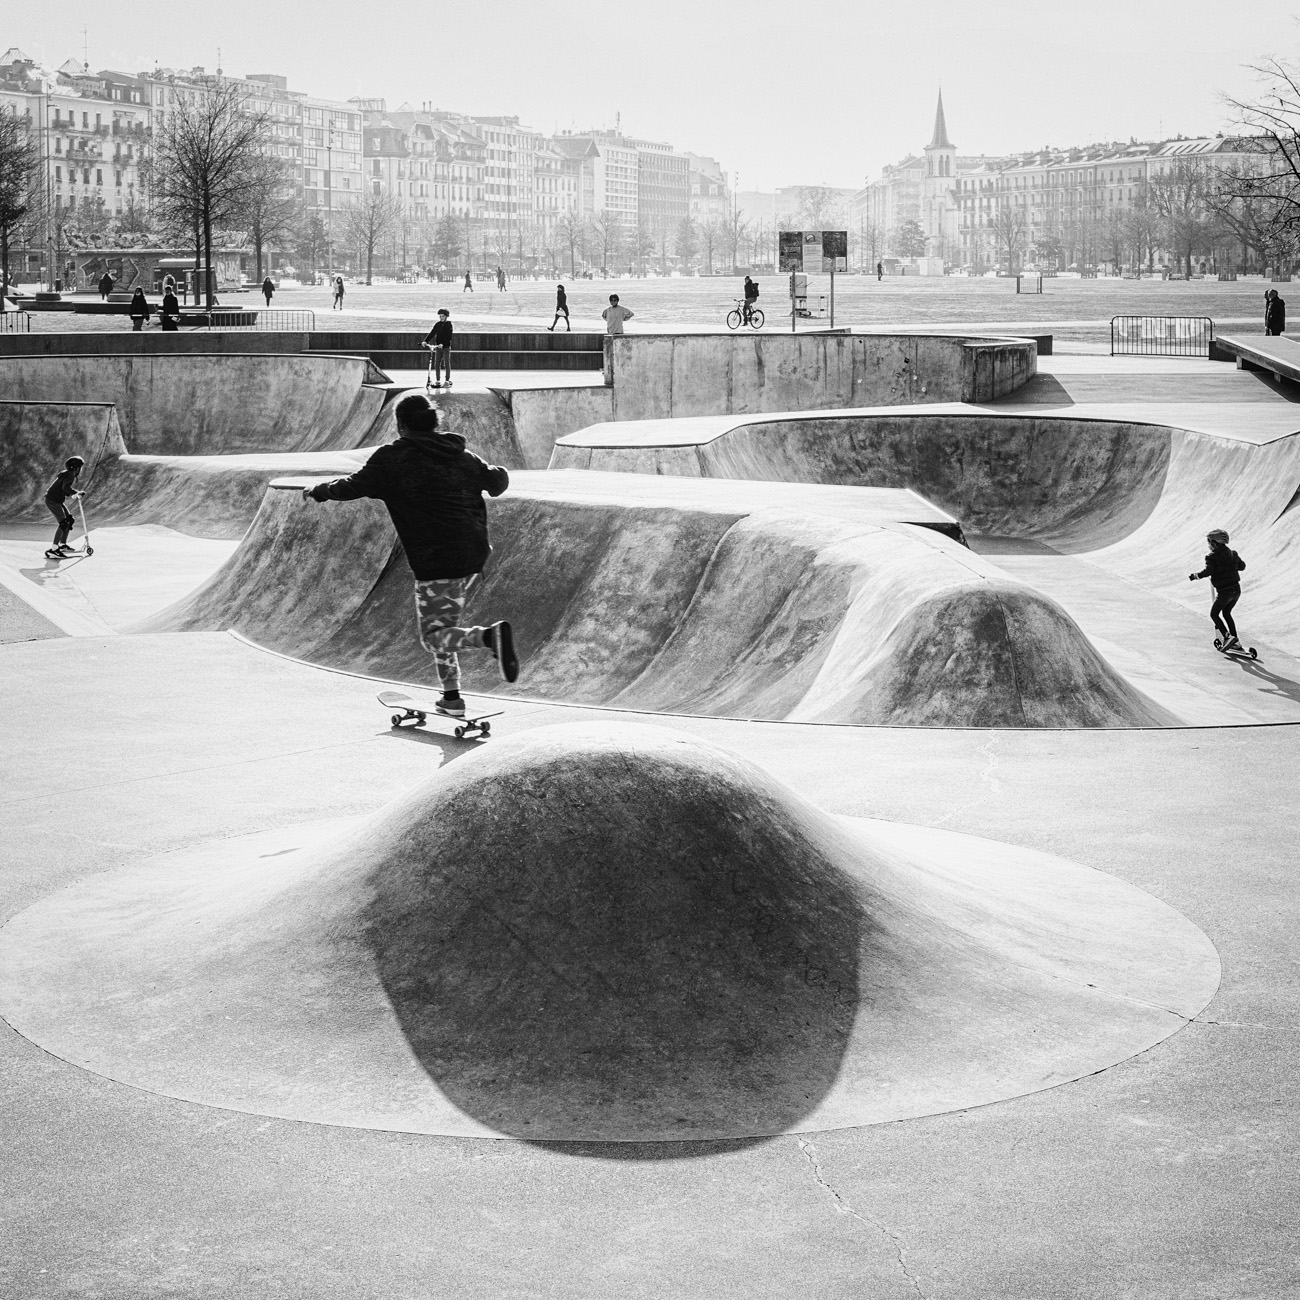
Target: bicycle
x=738, y=315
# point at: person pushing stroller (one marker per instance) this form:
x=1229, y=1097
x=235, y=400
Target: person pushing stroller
x=433, y=489
x=1223, y=567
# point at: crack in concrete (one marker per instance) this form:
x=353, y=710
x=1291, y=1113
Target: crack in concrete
x=988, y=780
x=809, y=1153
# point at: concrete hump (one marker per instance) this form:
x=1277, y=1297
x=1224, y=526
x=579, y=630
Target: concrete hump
x=602, y=933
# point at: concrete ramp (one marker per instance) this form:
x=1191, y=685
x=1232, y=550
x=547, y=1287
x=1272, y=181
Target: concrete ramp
x=212, y=404
x=36, y=438
x=797, y=602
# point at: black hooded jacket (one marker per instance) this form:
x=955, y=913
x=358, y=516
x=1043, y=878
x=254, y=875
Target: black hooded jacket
x=433, y=489
x=1222, y=567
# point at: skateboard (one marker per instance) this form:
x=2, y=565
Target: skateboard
x=1243, y=652
x=422, y=709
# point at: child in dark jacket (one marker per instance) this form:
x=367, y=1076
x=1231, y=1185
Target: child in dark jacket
x=1222, y=567
x=433, y=489
x=63, y=489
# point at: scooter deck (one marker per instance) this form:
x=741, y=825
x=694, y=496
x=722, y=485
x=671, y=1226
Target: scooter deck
x=1237, y=652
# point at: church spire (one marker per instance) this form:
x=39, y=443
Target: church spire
x=940, y=140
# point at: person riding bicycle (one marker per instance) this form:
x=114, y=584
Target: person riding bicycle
x=751, y=297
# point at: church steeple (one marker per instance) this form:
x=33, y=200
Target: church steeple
x=940, y=139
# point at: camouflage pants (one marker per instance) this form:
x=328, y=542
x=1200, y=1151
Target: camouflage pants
x=439, y=604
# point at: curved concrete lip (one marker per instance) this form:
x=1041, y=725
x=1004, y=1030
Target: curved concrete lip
x=104, y=975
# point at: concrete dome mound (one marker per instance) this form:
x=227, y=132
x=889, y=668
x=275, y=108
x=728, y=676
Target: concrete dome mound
x=602, y=932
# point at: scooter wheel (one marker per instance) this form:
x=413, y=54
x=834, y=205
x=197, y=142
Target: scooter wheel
x=90, y=550
x=1253, y=655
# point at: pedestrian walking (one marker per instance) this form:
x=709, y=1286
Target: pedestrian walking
x=1222, y=567
x=105, y=286
x=501, y=280
x=880, y=270
x=561, y=309
x=433, y=488
x=614, y=316
x=338, y=294
x=139, y=310
x=1274, y=313
x=438, y=341
x=267, y=290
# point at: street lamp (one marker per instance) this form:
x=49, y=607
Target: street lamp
x=329, y=199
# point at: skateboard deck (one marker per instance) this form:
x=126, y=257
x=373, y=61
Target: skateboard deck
x=421, y=708
x=1237, y=652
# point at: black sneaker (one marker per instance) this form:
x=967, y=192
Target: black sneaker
x=500, y=639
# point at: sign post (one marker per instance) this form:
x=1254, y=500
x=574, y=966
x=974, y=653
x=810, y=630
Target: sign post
x=801, y=251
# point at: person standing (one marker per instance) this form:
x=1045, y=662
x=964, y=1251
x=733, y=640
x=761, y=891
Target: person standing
x=105, y=286
x=501, y=280
x=561, y=309
x=63, y=489
x=1222, y=567
x=1274, y=313
x=433, y=488
x=438, y=341
x=614, y=316
x=267, y=290
x=139, y=310
x=880, y=270
x=338, y=294
x=170, y=317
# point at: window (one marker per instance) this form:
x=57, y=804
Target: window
x=58, y=173
x=99, y=176
x=117, y=179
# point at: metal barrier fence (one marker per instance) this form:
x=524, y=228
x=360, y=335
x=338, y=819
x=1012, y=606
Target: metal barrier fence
x=1161, y=336
x=15, y=322
x=300, y=320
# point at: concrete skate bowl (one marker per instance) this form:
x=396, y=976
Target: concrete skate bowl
x=1134, y=498
x=756, y=613
x=213, y=404
x=602, y=933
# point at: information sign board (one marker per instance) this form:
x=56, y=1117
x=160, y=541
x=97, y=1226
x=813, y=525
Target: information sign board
x=813, y=250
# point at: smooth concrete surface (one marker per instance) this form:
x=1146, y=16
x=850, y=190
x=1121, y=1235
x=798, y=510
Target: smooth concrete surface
x=602, y=932
x=206, y=404
x=683, y=375
x=1169, y=1175
x=687, y=595
x=38, y=438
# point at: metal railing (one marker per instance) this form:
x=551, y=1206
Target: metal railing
x=300, y=320
x=1161, y=336
x=15, y=322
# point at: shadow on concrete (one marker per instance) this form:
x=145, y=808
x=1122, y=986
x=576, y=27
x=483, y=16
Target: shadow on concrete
x=1273, y=683
x=596, y=951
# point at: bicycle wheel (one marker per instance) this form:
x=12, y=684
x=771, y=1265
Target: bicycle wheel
x=756, y=318
x=733, y=320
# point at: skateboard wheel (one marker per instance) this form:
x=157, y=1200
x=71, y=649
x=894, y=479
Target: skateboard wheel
x=460, y=733
x=397, y=719
x=486, y=728
x=419, y=719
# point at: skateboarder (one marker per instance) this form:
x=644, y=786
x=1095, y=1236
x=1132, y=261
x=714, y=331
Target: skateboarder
x=1222, y=567
x=64, y=488
x=438, y=341
x=433, y=489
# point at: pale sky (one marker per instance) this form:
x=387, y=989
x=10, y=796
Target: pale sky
x=779, y=91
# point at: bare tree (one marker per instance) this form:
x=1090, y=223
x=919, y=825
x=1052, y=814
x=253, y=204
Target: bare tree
x=737, y=230
x=712, y=234
x=686, y=242
x=204, y=162
x=570, y=229
x=816, y=206
x=608, y=231
x=19, y=185
x=369, y=218
x=1272, y=186
x=1008, y=227
x=1178, y=195
x=270, y=208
